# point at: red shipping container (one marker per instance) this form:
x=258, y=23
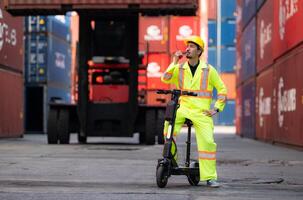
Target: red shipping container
x=181, y=28
x=238, y=116
x=287, y=32
x=157, y=64
x=153, y=35
x=11, y=104
x=264, y=105
x=11, y=40
x=212, y=9
x=265, y=36
x=230, y=82
x=288, y=111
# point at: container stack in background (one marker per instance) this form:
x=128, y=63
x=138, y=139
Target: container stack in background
x=47, y=67
x=11, y=74
x=227, y=51
x=269, y=82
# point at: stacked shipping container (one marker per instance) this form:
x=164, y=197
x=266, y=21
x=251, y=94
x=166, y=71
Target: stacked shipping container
x=275, y=65
x=227, y=51
x=47, y=67
x=11, y=74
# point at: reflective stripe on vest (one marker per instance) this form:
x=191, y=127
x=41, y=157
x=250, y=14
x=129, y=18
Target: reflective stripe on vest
x=181, y=76
x=207, y=155
x=204, y=81
x=222, y=97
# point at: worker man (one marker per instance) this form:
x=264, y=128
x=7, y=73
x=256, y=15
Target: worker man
x=197, y=76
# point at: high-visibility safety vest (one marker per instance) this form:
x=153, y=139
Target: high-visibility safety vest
x=205, y=79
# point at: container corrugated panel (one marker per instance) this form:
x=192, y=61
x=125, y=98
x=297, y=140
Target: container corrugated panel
x=238, y=63
x=248, y=48
x=228, y=35
x=157, y=64
x=181, y=28
x=228, y=59
x=249, y=8
x=212, y=33
x=153, y=35
x=264, y=105
x=11, y=104
x=265, y=36
x=239, y=18
x=11, y=40
x=288, y=111
x=238, y=112
x=248, y=114
x=260, y=3
x=212, y=56
x=287, y=15
x=212, y=9
x=48, y=59
x=228, y=8
x=227, y=116
x=49, y=24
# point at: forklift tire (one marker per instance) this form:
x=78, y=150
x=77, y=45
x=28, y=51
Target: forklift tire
x=160, y=126
x=82, y=139
x=52, y=134
x=161, y=176
x=63, y=129
x=150, y=122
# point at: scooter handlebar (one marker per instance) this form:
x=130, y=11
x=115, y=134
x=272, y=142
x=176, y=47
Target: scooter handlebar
x=187, y=93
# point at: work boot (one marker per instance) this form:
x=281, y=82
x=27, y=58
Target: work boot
x=212, y=183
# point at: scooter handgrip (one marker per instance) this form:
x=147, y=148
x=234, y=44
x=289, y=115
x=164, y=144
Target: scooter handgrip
x=163, y=91
x=189, y=93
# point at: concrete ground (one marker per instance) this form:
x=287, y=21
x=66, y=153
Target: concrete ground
x=119, y=168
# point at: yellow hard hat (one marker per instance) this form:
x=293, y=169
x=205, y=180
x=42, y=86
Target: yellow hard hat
x=195, y=39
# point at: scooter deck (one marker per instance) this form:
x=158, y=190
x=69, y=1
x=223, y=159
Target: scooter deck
x=185, y=171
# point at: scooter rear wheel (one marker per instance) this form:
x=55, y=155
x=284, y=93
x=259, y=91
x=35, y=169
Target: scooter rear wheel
x=161, y=176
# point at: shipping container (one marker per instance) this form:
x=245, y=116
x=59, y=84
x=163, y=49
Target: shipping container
x=48, y=60
x=229, y=80
x=287, y=15
x=37, y=99
x=212, y=56
x=265, y=36
x=288, y=82
x=55, y=25
x=212, y=9
x=228, y=8
x=239, y=18
x=153, y=34
x=11, y=104
x=248, y=51
x=212, y=33
x=248, y=94
x=11, y=41
x=36, y=7
x=227, y=116
x=238, y=67
x=238, y=112
x=228, y=59
x=157, y=64
x=228, y=33
x=181, y=28
x=249, y=8
x=260, y=4
x=264, y=105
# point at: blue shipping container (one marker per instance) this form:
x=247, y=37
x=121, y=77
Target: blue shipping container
x=212, y=33
x=212, y=56
x=54, y=25
x=248, y=52
x=248, y=126
x=227, y=116
x=228, y=59
x=249, y=9
x=228, y=8
x=48, y=60
x=228, y=33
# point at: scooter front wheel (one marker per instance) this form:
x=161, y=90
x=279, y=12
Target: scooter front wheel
x=161, y=176
x=194, y=180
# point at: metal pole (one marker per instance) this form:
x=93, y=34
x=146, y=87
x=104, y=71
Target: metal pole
x=219, y=35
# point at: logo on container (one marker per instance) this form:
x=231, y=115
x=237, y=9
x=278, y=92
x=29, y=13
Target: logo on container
x=286, y=101
x=264, y=106
x=153, y=70
x=184, y=32
x=7, y=35
x=265, y=36
x=153, y=33
x=60, y=60
x=287, y=9
x=247, y=108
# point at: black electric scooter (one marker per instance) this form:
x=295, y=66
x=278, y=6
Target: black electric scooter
x=167, y=165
